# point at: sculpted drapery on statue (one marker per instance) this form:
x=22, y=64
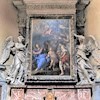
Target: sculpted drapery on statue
x=9, y=44
x=81, y=60
x=17, y=68
x=85, y=49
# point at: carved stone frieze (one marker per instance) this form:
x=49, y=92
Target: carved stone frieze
x=49, y=6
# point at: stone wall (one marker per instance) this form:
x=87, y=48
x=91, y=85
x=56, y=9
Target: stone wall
x=8, y=21
x=93, y=19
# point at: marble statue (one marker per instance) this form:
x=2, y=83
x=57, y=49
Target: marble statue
x=17, y=71
x=85, y=69
x=9, y=44
x=94, y=51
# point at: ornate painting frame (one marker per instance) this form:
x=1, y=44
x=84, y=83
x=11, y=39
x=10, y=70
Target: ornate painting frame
x=72, y=78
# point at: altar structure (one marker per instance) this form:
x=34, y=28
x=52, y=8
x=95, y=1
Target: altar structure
x=51, y=55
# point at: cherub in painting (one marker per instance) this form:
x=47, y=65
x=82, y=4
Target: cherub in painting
x=53, y=58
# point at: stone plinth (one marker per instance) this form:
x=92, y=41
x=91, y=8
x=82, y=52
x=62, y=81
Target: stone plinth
x=60, y=92
x=17, y=94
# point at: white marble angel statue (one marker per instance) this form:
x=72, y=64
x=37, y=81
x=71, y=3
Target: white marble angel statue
x=9, y=44
x=16, y=73
x=85, y=70
x=94, y=54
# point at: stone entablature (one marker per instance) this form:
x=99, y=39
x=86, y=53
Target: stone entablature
x=47, y=6
x=67, y=7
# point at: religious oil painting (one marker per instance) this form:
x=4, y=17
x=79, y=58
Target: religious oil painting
x=50, y=46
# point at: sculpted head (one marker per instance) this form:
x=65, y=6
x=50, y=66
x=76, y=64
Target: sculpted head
x=20, y=38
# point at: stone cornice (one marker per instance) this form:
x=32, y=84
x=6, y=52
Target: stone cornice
x=32, y=6
x=49, y=6
x=50, y=1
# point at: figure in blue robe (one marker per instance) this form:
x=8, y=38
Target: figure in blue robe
x=42, y=61
x=41, y=58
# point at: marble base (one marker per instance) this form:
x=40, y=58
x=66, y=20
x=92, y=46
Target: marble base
x=60, y=92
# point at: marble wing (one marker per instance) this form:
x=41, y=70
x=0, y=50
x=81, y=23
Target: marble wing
x=7, y=49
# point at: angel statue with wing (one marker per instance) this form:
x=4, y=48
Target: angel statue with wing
x=93, y=53
x=9, y=44
x=18, y=65
x=85, y=69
